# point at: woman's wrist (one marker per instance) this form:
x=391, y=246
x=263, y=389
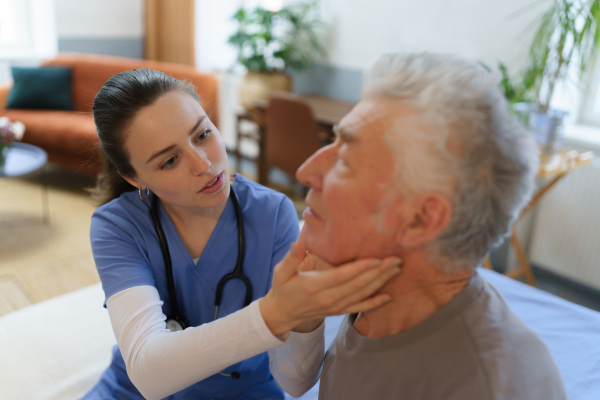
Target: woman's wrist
x=274, y=317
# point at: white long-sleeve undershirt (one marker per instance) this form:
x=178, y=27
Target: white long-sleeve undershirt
x=160, y=362
x=296, y=365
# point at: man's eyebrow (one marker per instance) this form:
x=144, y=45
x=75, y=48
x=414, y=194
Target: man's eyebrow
x=344, y=135
x=169, y=148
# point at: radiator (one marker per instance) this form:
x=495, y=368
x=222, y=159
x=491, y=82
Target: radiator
x=566, y=227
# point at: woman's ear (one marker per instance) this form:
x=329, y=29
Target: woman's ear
x=430, y=216
x=132, y=181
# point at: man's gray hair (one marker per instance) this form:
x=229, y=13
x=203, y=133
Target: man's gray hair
x=472, y=149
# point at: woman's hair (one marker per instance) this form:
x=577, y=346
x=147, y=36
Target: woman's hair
x=465, y=145
x=116, y=103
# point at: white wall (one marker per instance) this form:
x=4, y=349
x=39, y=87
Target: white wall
x=213, y=27
x=481, y=29
x=361, y=30
x=100, y=18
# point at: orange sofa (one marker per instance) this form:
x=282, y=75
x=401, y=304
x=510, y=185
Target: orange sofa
x=69, y=137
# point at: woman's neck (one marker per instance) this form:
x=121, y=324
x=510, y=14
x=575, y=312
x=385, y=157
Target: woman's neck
x=195, y=226
x=417, y=293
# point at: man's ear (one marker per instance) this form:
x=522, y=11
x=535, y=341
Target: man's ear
x=430, y=216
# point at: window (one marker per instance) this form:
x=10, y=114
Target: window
x=27, y=29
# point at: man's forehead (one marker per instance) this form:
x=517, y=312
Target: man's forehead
x=372, y=115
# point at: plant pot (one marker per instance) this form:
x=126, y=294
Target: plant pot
x=258, y=86
x=547, y=128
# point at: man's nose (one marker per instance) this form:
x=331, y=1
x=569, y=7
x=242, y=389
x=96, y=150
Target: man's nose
x=311, y=172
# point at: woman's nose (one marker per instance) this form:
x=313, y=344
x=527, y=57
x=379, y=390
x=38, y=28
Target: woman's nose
x=200, y=163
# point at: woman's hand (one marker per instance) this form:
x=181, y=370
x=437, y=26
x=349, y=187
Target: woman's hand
x=306, y=289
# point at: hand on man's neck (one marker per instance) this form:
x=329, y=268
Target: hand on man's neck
x=417, y=293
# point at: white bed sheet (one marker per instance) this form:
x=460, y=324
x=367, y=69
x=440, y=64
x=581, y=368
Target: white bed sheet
x=58, y=349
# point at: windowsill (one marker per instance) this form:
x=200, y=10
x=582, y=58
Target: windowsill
x=582, y=137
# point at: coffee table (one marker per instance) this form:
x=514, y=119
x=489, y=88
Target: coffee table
x=24, y=159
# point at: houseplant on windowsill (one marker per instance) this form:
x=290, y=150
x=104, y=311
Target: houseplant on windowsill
x=566, y=39
x=271, y=44
x=9, y=133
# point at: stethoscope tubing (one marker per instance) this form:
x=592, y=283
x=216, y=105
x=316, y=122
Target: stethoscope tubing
x=237, y=273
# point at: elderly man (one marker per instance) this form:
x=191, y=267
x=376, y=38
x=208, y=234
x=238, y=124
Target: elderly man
x=429, y=167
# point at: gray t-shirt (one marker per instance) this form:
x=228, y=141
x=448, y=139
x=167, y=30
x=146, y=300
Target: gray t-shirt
x=474, y=347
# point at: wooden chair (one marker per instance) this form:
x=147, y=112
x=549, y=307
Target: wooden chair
x=291, y=132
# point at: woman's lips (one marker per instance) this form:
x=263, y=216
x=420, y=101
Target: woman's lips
x=214, y=185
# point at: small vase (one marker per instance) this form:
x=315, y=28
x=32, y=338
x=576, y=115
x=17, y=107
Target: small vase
x=547, y=128
x=3, y=154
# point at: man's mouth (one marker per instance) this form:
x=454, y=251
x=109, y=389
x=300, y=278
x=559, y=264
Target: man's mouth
x=309, y=212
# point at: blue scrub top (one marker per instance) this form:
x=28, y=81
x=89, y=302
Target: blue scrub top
x=127, y=253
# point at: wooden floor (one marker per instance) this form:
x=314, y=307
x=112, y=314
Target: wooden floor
x=39, y=261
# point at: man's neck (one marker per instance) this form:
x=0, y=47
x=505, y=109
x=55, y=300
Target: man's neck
x=417, y=293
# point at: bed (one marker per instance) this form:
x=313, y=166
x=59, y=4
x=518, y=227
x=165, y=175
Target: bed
x=57, y=349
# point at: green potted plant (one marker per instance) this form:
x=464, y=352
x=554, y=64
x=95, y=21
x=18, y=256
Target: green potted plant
x=271, y=44
x=567, y=36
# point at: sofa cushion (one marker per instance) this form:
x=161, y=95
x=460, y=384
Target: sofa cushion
x=41, y=88
x=91, y=71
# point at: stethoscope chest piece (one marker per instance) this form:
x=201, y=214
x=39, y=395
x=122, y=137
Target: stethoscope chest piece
x=175, y=324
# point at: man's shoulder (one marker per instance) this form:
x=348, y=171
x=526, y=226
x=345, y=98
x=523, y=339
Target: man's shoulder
x=510, y=354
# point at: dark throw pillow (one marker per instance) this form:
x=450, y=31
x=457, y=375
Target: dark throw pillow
x=41, y=88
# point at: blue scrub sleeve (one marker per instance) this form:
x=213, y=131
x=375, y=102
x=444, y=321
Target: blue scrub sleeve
x=287, y=231
x=116, y=245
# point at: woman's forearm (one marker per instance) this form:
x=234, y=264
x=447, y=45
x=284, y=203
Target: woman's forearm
x=160, y=362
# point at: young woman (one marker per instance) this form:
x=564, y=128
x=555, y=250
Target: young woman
x=173, y=227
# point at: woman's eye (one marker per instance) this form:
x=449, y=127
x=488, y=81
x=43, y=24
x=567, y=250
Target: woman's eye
x=204, y=135
x=169, y=163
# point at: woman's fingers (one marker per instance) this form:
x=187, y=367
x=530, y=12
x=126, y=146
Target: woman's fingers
x=296, y=298
x=287, y=268
x=367, y=305
x=313, y=263
x=337, y=298
x=367, y=268
x=361, y=293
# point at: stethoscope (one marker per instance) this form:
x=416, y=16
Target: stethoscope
x=176, y=321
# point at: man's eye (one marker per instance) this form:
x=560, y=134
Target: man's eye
x=204, y=135
x=169, y=163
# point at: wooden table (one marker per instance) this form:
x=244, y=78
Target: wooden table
x=552, y=169
x=327, y=112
